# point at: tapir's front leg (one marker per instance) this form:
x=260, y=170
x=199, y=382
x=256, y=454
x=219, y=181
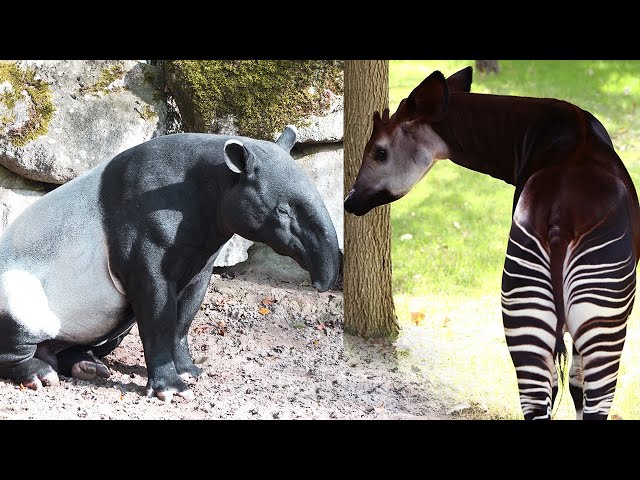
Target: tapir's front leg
x=189, y=302
x=155, y=307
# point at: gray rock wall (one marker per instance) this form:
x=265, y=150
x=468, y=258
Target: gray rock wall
x=100, y=109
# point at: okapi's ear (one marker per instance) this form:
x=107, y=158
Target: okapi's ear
x=431, y=97
x=237, y=157
x=287, y=138
x=461, y=80
x=377, y=121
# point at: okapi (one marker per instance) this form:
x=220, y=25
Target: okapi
x=575, y=234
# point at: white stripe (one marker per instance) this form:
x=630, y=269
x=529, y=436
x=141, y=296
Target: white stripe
x=515, y=275
x=593, y=346
x=536, y=300
x=605, y=381
x=543, y=260
x=533, y=369
x=588, y=294
x=543, y=335
x=606, y=396
x=594, y=370
x=592, y=249
x=531, y=349
x=601, y=280
x=543, y=417
x=542, y=383
x=535, y=240
x=534, y=401
x=574, y=272
x=527, y=289
x=594, y=332
x=546, y=316
x=529, y=391
x=530, y=265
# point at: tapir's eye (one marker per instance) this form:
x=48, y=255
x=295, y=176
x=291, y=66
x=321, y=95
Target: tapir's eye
x=380, y=154
x=282, y=209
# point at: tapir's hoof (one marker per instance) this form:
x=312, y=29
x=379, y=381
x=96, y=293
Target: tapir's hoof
x=167, y=395
x=165, y=390
x=38, y=381
x=190, y=373
x=88, y=370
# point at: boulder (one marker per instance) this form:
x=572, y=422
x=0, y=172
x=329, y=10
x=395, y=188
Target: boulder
x=16, y=194
x=324, y=165
x=232, y=252
x=258, y=98
x=59, y=118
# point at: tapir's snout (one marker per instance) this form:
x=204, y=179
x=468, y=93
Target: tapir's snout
x=323, y=258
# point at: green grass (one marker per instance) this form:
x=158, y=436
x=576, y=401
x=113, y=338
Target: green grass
x=459, y=220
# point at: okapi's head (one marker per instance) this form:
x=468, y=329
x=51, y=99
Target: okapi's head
x=403, y=148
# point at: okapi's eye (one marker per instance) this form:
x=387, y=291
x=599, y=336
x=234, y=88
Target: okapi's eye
x=380, y=154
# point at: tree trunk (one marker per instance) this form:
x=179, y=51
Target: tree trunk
x=368, y=300
x=487, y=66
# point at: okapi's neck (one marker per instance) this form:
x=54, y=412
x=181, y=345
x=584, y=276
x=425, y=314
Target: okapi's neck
x=504, y=136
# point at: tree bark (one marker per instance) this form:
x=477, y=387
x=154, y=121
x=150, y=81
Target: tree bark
x=487, y=66
x=368, y=301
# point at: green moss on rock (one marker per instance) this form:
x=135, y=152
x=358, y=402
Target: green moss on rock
x=39, y=103
x=107, y=77
x=148, y=113
x=262, y=96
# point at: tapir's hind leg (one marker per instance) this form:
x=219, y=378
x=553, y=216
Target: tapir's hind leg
x=77, y=362
x=84, y=362
x=17, y=361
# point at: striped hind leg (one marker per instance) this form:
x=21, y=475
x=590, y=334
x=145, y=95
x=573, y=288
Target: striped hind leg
x=599, y=289
x=530, y=321
x=576, y=382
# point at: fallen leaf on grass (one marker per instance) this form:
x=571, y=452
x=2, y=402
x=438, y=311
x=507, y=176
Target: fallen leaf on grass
x=201, y=329
x=200, y=360
x=616, y=417
x=121, y=396
x=417, y=317
x=22, y=388
x=263, y=311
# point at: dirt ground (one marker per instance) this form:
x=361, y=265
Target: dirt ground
x=269, y=350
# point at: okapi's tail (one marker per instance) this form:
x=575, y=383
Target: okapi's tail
x=558, y=251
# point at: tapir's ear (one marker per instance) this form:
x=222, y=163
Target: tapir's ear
x=431, y=97
x=287, y=138
x=236, y=156
x=461, y=80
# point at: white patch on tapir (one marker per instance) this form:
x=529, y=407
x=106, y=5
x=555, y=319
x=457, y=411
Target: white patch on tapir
x=53, y=261
x=28, y=304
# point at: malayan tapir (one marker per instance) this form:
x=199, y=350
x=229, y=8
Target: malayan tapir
x=134, y=240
